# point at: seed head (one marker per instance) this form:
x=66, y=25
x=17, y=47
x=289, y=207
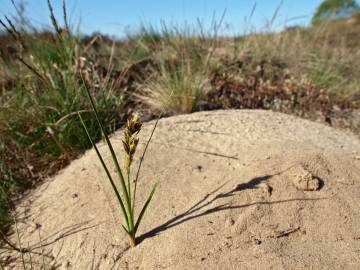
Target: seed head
x=132, y=128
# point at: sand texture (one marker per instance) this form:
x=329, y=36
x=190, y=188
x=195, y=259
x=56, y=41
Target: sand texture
x=238, y=189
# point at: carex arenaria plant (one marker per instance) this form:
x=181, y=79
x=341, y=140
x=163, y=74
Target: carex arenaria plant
x=126, y=193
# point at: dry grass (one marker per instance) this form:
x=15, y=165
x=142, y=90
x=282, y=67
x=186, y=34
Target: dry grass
x=175, y=89
x=325, y=54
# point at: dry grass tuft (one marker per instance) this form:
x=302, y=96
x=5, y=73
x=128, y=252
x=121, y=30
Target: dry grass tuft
x=174, y=89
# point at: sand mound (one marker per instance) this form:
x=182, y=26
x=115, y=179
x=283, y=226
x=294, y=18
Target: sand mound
x=238, y=190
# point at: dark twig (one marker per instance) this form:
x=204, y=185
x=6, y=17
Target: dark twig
x=11, y=245
x=286, y=232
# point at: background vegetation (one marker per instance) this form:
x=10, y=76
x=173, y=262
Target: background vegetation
x=335, y=9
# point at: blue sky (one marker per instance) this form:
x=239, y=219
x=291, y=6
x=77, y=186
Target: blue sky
x=115, y=17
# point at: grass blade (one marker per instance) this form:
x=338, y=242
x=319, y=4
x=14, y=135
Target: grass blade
x=117, y=166
x=144, y=208
x=42, y=252
x=30, y=258
x=141, y=160
x=107, y=173
x=19, y=243
x=126, y=230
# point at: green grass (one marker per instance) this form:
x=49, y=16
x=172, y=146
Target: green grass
x=10, y=186
x=38, y=116
x=127, y=196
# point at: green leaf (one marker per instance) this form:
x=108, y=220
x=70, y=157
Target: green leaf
x=141, y=160
x=125, y=229
x=116, y=162
x=144, y=208
x=107, y=173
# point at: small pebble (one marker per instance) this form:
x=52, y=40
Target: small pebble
x=229, y=222
x=257, y=241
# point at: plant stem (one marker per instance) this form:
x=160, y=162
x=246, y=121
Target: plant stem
x=117, y=193
x=116, y=162
x=129, y=192
x=141, y=160
x=19, y=242
x=132, y=240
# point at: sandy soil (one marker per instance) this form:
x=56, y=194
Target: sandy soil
x=238, y=190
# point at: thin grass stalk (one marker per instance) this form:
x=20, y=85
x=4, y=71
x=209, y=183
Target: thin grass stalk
x=275, y=14
x=31, y=68
x=129, y=192
x=142, y=212
x=53, y=19
x=20, y=12
x=42, y=252
x=16, y=33
x=116, y=163
x=107, y=173
x=50, y=131
x=141, y=160
x=11, y=33
x=19, y=243
x=67, y=28
x=11, y=245
x=30, y=258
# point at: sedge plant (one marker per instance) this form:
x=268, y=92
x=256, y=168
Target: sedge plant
x=126, y=194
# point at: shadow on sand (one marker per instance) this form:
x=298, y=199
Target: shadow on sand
x=198, y=209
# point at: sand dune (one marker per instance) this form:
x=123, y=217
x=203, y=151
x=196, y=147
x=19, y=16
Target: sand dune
x=238, y=190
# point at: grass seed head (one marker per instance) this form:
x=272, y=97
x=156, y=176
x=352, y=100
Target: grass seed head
x=133, y=127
